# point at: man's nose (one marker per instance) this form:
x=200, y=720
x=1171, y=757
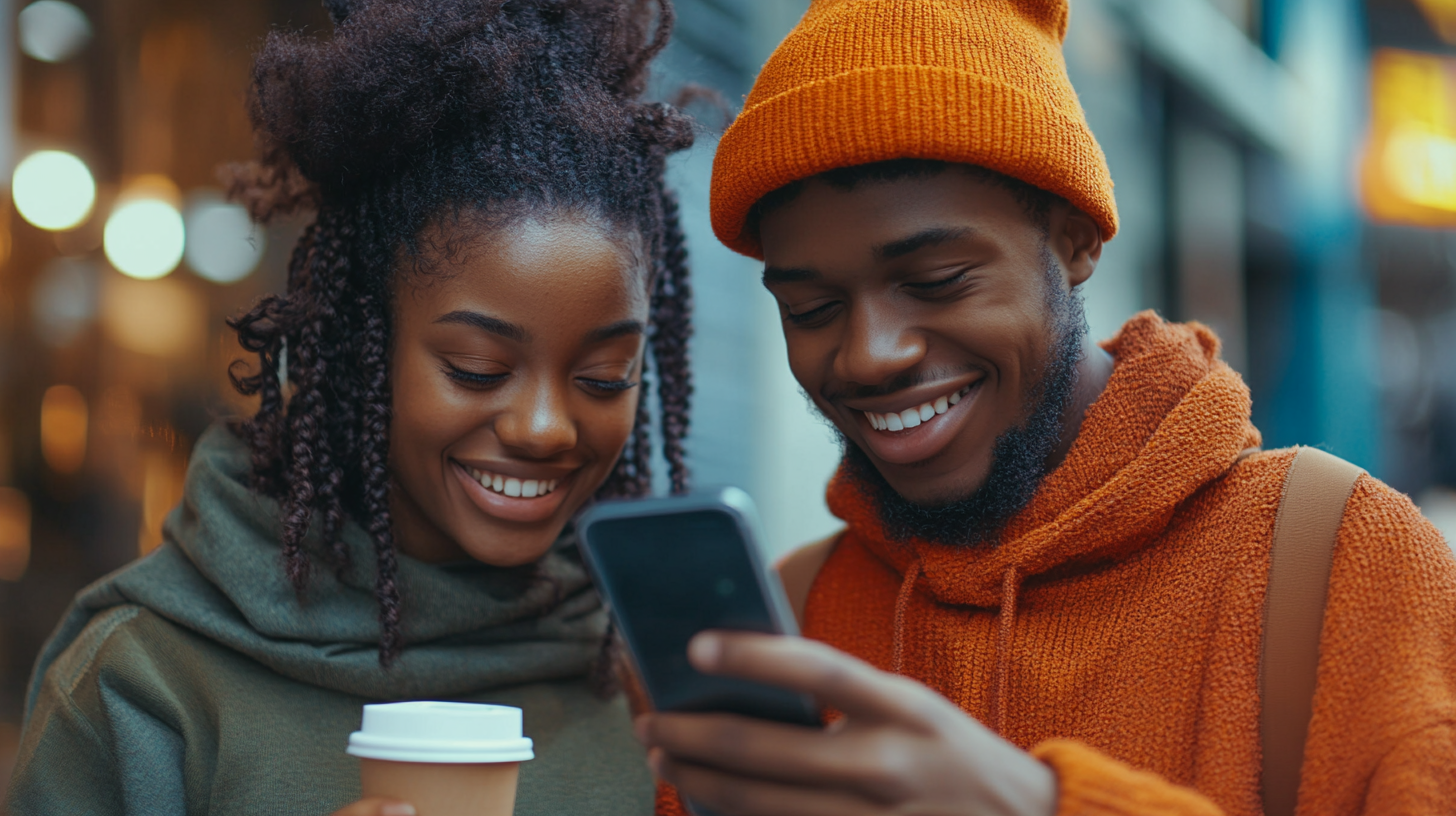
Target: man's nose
x=877, y=347
x=538, y=424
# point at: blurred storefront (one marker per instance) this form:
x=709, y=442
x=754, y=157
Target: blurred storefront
x=1285, y=169
x=121, y=261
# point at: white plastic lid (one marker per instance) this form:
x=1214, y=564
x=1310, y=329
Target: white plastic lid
x=427, y=731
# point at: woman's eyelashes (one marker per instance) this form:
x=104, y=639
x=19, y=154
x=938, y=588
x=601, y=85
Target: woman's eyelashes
x=476, y=379
x=608, y=386
x=473, y=379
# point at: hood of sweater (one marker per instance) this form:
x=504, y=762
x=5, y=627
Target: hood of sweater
x=467, y=626
x=1172, y=417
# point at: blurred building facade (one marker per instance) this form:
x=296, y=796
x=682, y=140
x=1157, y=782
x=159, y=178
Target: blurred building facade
x=1233, y=129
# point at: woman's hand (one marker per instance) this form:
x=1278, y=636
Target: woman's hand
x=377, y=806
x=900, y=748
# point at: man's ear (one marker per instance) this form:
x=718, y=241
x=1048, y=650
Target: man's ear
x=1077, y=241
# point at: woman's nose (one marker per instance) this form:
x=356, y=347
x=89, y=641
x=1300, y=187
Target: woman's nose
x=538, y=425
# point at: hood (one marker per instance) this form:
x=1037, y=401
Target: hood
x=467, y=627
x=1172, y=418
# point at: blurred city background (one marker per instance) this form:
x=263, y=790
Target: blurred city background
x=1285, y=169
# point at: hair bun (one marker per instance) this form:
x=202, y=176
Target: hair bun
x=395, y=76
x=404, y=83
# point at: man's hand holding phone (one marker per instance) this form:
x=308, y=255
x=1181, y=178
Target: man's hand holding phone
x=899, y=747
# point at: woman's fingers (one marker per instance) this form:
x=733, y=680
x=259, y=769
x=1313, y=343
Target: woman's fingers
x=377, y=806
x=835, y=678
x=731, y=795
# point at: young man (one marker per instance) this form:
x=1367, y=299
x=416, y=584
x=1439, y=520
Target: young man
x=1050, y=594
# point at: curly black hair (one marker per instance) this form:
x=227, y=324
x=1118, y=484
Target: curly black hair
x=413, y=112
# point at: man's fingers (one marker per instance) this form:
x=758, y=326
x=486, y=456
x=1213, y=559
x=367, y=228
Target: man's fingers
x=731, y=795
x=868, y=763
x=377, y=806
x=837, y=679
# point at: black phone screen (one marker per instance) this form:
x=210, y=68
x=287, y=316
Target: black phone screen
x=668, y=577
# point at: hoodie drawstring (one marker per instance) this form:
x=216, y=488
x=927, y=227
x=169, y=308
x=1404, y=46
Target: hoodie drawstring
x=1006, y=631
x=907, y=591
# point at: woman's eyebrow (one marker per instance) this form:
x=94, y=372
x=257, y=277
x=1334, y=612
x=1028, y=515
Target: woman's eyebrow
x=615, y=330
x=494, y=325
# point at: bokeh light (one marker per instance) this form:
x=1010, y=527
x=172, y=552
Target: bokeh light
x=1421, y=166
x=1408, y=174
x=223, y=245
x=161, y=318
x=144, y=238
x=64, y=299
x=63, y=429
x=14, y=534
x=53, y=31
x=53, y=189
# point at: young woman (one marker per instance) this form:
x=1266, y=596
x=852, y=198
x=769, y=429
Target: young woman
x=464, y=340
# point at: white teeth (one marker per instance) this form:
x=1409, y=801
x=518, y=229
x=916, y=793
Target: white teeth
x=911, y=417
x=522, y=488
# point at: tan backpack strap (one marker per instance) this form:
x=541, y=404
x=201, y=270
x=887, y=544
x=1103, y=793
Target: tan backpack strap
x=798, y=569
x=1315, y=492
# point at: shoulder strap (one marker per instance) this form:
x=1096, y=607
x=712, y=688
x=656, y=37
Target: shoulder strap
x=1315, y=492
x=798, y=569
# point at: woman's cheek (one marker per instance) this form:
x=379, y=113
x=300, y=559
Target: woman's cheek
x=617, y=429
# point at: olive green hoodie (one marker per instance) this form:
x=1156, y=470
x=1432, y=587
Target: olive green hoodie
x=197, y=681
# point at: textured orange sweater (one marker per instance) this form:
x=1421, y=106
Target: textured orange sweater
x=1115, y=632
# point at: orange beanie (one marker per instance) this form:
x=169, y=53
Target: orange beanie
x=857, y=81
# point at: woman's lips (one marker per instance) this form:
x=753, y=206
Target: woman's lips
x=517, y=508
x=889, y=440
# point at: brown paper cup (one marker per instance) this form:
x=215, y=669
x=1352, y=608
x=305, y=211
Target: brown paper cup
x=446, y=759
x=440, y=789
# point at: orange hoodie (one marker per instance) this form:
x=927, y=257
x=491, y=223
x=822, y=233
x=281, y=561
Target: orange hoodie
x=1115, y=632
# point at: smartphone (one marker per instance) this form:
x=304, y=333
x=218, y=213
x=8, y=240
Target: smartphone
x=669, y=568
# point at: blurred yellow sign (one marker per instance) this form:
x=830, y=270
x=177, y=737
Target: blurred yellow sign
x=1408, y=173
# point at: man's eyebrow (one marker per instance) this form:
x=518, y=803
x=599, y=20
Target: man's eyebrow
x=494, y=325
x=774, y=274
x=920, y=240
x=612, y=331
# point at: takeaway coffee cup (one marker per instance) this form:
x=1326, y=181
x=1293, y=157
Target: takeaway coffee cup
x=446, y=759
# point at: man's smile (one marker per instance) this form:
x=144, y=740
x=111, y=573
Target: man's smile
x=913, y=426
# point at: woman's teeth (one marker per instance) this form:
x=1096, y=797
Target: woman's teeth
x=911, y=417
x=513, y=487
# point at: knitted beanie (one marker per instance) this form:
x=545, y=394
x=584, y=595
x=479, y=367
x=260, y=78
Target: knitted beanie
x=977, y=82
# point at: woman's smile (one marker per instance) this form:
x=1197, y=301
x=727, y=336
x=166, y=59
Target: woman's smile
x=512, y=498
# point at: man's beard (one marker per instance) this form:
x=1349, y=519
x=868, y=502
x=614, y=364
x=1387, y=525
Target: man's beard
x=1019, y=456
